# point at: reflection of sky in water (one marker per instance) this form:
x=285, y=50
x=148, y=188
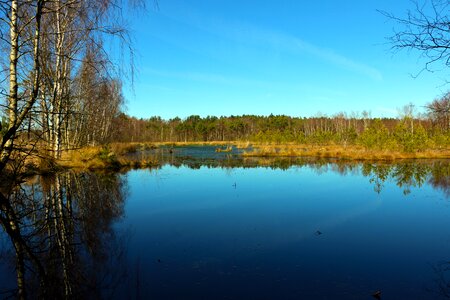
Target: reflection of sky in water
x=293, y=231
x=257, y=240
x=7, y=266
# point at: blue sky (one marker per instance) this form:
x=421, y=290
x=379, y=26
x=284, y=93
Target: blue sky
x=298, y=58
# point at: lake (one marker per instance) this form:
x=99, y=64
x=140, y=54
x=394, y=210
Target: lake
x=207, y=225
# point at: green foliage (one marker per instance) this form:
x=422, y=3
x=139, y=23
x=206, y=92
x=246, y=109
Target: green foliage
x=322, y=137
x=407, y=134
x=420, y=138
x=439, y=138
x=105, y=153
x=108, y=157
x=376, y=136
x=300, y=139
x=410, y=139
x=404, y=136
x=348, y=136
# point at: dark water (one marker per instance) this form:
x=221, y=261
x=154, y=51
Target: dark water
x=209, y=227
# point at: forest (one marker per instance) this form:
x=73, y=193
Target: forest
x=408, y=132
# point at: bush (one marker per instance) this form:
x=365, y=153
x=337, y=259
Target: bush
x=410, y=140
x=376, y=136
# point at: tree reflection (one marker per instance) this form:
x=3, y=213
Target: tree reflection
x=61, y=232
x=378, y=175
x=409, y=175
x=406, y=174
x=440, y=177
x=62, y=240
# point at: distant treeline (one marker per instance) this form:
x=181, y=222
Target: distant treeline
x=407, y=132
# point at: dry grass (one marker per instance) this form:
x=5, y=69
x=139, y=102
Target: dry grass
x=342, y=152
x=86, y=157
x=210, y=143
x=113, y=156
x=243, y=145
x=117, y=155
x=126, y=148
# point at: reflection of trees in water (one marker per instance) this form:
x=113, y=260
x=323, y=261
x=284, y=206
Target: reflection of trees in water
x=406, y=174
x=409, y=175
x=440, y=178
x=378, y=175
x=63, y=244
x=61, y=231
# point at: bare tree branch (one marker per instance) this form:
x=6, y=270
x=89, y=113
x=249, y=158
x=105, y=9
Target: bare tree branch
x=425, y=29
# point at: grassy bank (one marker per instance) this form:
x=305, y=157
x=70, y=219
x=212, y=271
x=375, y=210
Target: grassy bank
x=117, y=155
x=113, y=156
x=352, y=152
x=125, y=155
x=134, y=155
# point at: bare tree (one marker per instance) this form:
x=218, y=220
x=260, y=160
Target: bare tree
x=425, y=28
x=407, y=114
x=439, y=112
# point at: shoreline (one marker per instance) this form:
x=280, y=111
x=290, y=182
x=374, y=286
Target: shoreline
x=352, y=152
x=348, y=152
x=120, y=156
x=119, y=152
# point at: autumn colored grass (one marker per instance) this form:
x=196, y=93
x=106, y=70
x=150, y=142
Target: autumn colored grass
x=209, y=143
x=113, y=156
x=353, y=152
x=120, y=155
x=116, y=155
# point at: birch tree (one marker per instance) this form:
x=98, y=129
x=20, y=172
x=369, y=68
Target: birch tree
x=48, y=44
x=20, y=18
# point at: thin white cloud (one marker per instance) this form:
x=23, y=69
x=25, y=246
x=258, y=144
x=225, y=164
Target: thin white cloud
x=339, y=60
x=194, y=76
x=286, y=42
x=205, y=77
x=279, y=41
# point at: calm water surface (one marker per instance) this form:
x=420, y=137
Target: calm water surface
x=304, y=230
